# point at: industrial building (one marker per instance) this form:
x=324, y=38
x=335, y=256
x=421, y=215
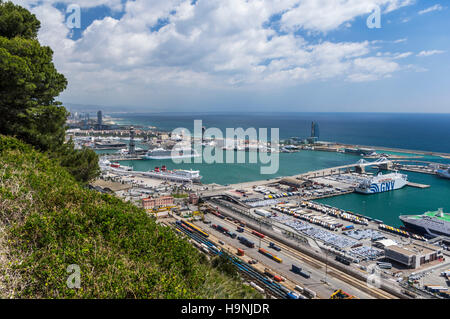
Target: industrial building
x=293, y=182
x=150, y=203
x=413, y=256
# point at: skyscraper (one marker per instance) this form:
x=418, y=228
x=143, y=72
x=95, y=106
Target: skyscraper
x=99, y=119
x=315, y=130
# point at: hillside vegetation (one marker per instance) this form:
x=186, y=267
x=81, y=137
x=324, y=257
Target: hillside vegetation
x=48, y=221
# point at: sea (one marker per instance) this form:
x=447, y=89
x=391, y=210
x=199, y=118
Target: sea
x=425, y=132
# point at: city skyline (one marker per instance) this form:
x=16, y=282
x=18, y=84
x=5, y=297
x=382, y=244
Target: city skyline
x=293, y=56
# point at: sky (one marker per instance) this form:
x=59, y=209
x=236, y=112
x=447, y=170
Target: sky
x=251, y=55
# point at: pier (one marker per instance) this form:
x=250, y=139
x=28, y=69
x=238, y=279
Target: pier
x=418, y=185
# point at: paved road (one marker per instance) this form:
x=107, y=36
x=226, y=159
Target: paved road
x=316, y=270
x=338, y=275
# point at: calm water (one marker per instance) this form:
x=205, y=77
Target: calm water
x=408, y=200
x=429, y=132
x=290, y=164
x=386, y=206
x=409, y=131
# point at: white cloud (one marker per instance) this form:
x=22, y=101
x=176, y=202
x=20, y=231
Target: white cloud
x=429, y=53
x=211, y=44
x=436, y=7
x=401, y=40
x=327, y=15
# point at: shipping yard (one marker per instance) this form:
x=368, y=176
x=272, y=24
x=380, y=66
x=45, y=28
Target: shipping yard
x=289, y=246
x=283, y=242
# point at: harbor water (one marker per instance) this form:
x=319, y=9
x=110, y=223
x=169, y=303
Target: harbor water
x=427, y=132
x=385, y=206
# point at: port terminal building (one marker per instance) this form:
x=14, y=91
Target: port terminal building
x=150, y=203
x=413, y=256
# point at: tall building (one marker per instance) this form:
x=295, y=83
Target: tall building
x=315, y=130
x=99, y=119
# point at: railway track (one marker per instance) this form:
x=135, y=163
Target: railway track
x=271, y=288
x=361, y=285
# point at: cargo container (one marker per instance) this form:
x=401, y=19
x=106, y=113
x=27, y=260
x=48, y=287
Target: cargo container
x=268, y=272
x=246, y=242
x=295, y=269
x=222, y=229
x=309, y=292
x=275, y=247
x=304, y=274
x=214, y=249
x=258, y=288
x=292, y=295
x=343, y=260
x=277, y=278
x=232, y=235
x=269, y=255
x=348, y=227
x=284, y=289
x=298, y=288
x=254, y=232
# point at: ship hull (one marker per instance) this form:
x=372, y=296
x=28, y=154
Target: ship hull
x=423, y=229
x=443, y=174
x=172, y=177
x=382, y=187
x=150, y=157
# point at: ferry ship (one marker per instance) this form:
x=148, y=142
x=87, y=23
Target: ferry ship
x=161, y=153
x=108, y=145
x=443, y=173
x=360, y=151
x=107, y=165
x=382, y=183
x=432, y=223
x=175, y=175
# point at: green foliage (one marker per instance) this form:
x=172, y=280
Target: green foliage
x=29, y=84
x=50, y=222
x=224, y=265
x=16, y=21
x=82, y=164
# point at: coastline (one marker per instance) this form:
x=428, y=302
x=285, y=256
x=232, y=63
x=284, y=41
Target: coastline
x=400, y=150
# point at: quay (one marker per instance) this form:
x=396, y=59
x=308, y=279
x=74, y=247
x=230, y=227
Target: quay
x=418, y=185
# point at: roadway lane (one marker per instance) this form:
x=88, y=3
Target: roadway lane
x=315, y=269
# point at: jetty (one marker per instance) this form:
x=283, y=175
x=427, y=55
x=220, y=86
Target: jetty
x=417, y=185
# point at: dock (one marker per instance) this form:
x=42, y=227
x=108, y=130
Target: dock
x=418, y=185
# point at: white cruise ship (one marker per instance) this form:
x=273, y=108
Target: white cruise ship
x=161, y=153
x=382, y=183
x=432, y=223
x=175, y=175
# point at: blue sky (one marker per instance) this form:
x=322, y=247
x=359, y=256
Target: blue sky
x=255, y=55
